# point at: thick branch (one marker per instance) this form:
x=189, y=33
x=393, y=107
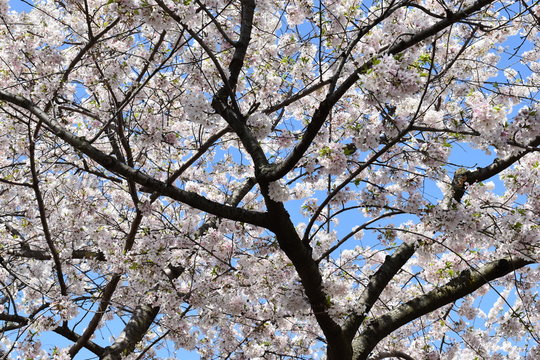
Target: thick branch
x=238, y=123
x=394, y=263
x=461, y=179
x=83, y=340
x=13, y=318
x=117, y=167
x=377, y=283
x=300, y=254
x=45, y=255
x=391, y=354
x=241, y=46
x=70, y=335
x=466, y=283
x=135, y=329
x=234, y=118
x=60, y=330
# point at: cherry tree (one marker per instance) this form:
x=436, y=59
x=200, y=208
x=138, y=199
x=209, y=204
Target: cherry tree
x=268, y=179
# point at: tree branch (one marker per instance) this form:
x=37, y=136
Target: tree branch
x=391, y=354
x=234, y=118
x=135, y=329
x=356, y=230
x=200, y=152
x=71, y=335
x=299, y=95
x=300, y=254
x=377, y=283
x=464, y=284
x=115, y=166
x=45, y=255
x=216, y=23
x=462, y=178
x=393, y=264
x=43, y=214
x=60, y=330
x=228, y=88
x=91, y=42
x=106, y=296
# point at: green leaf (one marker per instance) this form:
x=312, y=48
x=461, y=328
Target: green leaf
x=517, y=226
x=328, y=300
x=425, y=59
x=349, y=149
x=325, y=151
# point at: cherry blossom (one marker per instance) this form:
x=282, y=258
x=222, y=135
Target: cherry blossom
x=270, y=179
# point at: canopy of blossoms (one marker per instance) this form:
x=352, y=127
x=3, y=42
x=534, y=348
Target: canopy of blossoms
x=270, y=179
